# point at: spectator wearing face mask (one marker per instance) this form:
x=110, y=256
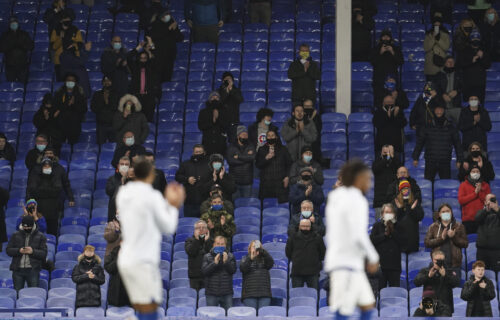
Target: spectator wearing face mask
x=421, y=114
x=384, y=171
x=104, y=104
x=488, y=233
x=305, y=189
x=393, y=188
x=476, y=155
x=231, y=98
x=474, y=123
x=241, y=157
x=471, y=196
x=115, y=182
x=114, y=65
x=389, y=120
x=477, y=8
x=64, y=36
x=304, y=72
x=298, y=132
x=490, y=30
x=219, y=222
x=478, y=291
x=436, y=46
x=461, y=37
x=220, y=177
x=313, y=115
x=392, y=88
x=386, y=237
x=130, y=118
x=88, y=275
x=47, y=123
x=152, y=14
x=196, y=248
x=306, y=212
x=15, y=44
x=41, y=142
x=448, y=236
x=362, y=27
x=53, y=15
x=449, y=85
x=306, y=160
x=212, y=122
x=432, y=308
x=127, y=148
x=226, y=204
x=257, y=131
x=73, y=61
x=7, y=151
x=31, y=209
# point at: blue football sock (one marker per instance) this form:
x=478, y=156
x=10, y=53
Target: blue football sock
x=367, y=315
x=148, y=316
x=339, y=316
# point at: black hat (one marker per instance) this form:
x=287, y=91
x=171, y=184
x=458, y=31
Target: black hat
x=305, y=149
x=386, y=32
x=438, y=17
x=216, y=158
x=46, y=161
x=28, y=221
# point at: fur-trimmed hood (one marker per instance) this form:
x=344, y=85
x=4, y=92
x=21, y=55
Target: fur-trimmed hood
x=96, y=258
x=127, y=97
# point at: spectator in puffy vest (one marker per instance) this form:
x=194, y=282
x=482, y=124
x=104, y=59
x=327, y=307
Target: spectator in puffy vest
x=304, y=72
x=308, y=212
x=306, y=189
x=196, y=248
x=475, y=154
x=475, y=123
x=16, y=44
x=204, y=17
x=478, y=291
x=306, y=160
x=104, y=104
x=384, y=171
x=488, y=233
x=89, y=277
x=298, y=132
x=240, y=157
x=130, y=118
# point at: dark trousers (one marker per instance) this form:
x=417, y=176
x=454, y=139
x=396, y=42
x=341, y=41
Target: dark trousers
x=441, y=167
x=490, y=257
x=28, y=275
x=52, y=226
x=16, y=73
x=197, y=283
x=105, y=133
x=191, y=210
x=390, y=276
x=206, y=34
x=225, y=302
x=273, y=189
x=470, y=226
x=260, y=12
x=148, y=105
x=310, y=281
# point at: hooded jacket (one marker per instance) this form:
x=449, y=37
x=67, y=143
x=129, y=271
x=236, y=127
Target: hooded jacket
x=196, y=250
x=135, y=122
x=434, y=240
x=295, y=141
x=474, y=132
x=218, y=277
x=471, y=201
x=37, y=241
x=256, y=277
x=88, y=291
x=306, y=252
x=488, y=232
x=117, y=293
x=473, y=293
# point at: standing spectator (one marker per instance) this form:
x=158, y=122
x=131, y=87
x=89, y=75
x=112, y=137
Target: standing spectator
x=53, y=15
x=219, y=222
x=212, y=122
x=477, y=8
x=256, y=289
x=393, y=188
x=298, y=132
x=260, y=11
x=7, y=151
x=305, y=189
x=117, y=293
x=478, y=291
x=392, y=88
x=71, y=105
x=461, y=37
x=28, y=249
x=445, y=7
x=438, y=139
x=220, y=177
x=130, y=118
x=449, y=85
x=16, y=44
x=240, y=157
x=204, y=18
x=47, y=122
x=430, y=308
x=73, y=61
x=490, y=31
x=115, y=182
x=128, y=147
x=104, y=104
x=226, y=204
x=384, y=171
x=438, y=280
x=257, y=131
x=488, y=233
x=4, y=198
x=385, y=237
x=41, y=142
x=307, y=212
x=152, y=14
x=273, y=161
x=88, y=275
x=421, y=114
x=160, y=182
x=306, y=250
x=112, y=235
x=471, y=196
x=476, y=155
x=231, y=98
x=64, y=36
x=218, y=267
x=389, y=120
x=128, y=6
x=475, y=123
x=304, y=72
x=436, y=46
x=306, y=160
x=362, y=27
x=114, y=65
x=31, y=209
x=448, y=236
x=196, y=248
x=313, y=115
x=409, y=214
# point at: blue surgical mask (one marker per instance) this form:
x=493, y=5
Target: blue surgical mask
x=14, y=26
x=41, y=147
x=306, y=214
x=217, y=165
x=267, y=122
x=70, y=84
x=391, y=86
x=446, y=216
x=130, y=141
x=117, y=45
x=217, y=207
x=220, y=250
x=490, y=17
x=307, y=159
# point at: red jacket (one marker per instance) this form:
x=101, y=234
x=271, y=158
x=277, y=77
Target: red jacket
x=471, y=201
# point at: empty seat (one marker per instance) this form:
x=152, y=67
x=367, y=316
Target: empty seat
x=211, y=312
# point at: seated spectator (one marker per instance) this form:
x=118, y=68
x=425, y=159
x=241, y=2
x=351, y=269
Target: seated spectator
x=362, y=27
x=7, y=151
x=115, y=182
x=219, y=222
x=16, y=45
x=478, y=291
x=31, y=210
x=212, y=122
x=46, y=121
x=257, y=131
x=306, y=189
x=218, y=267
x=73, y=61
x=490, y=31
x=436, y=46
x=449, y=85
x=389, y=120
x=298, y=132
x=447, y=235
x=226, y=204
x=256, y=289
x=471, y=196
x=461, y=37
x=194, y=174
x=241, y=157
x=231, y=98
x=306, y=161
x=130, y=118
x=117, y=293
x=53, y=15
x=393, y=188
x=488, y=233
x=127, y=148
x=89, y=277
x=104, y=104
x=439, y=138
x=384, y=171
x=260, y=11
x=421, y=114
x=392, y=88
x=409, y=214
x=114, y=66
x=438, y=280
x=196, y=248
x=475, y=154
x=220, y=177
x=386, y=237
x=28, y=249
x=160, y=182
x=64, y=36
x=432, y=308
x=307, y=212
x=304, y=72
x=273, y=160
x=204, y=18
x=305, y=250
x=475, y=123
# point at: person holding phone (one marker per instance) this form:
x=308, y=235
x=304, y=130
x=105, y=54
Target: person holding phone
x=488, y=233
x=432, y=308
x=31, y=209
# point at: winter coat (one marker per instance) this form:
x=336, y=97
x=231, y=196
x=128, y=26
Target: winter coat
x=253, y=131
x=393, y=190
x=274, y=170
x=117, y=293
x=165, y=40
x=389, y=129
x=196, y=250
x=401, y=99
x=104, y=111
x=474, y=132
x=218, y=277
x=386, y=63
x=214, y=133
x=488, y=232
x=297, y=195
x=116, y=72
x=70, y=63
x=362, y=38
x=304, y=82
x=122, y=149
x=135, y=122
x=440, y=310
x=435, y=45
x=51, y=127
x=160, y=182
x=8, y=153
x=60, y=174
x=71, y=116
x=441, y=82
x=473, y=73
x=408, y=227
x=231, y=101
x=88, y=291
x=227, y=230
x=298, y=165
x=470, y=201
x=195, y=194
x=46, y=189
x=256, y=277
x=204, y=12
x=37, y=241
x=295, y=141
x=434, y=240
x=15, y=46
x=387, y=246
x=438, y=141
x=318, y=226
x=491, y=38
x=152, y=81
x=384, y=172
x=241, y=167
x=473, y=294
x=71, y=36
x=228, y=206
x=4, y=199
x=306, y=252
x=112, y=236
x=421, y=114
x=487, y=172
x=31, y=158
x=226, y=184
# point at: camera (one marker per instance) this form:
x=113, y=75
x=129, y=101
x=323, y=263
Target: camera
x=225, y=83
x=440, y=263
x=493, y=199
x=427, y=303
x=30, y=209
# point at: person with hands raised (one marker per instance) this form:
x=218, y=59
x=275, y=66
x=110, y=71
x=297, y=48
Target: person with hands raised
x=389, y=120
x=384, y=170
x=305, y=189
x=219, y=222
x=478, y=291
x=471, y=196
x=31, y=209
x=307, y=211
x=196, y=248
x=114, y=65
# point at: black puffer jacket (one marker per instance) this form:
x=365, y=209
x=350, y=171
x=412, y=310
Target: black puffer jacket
x=195, y=194
x=408, y=220
x=488, y=232
x=117, y=294
x=37, y=241
x=214, y=133
x=306, y=252
x=474, y=132
x=88, y=291
x=196, y=250
x=218, y=277
x=472, y=291
x=46, y=189
x=384, y=172
x=104, y=111
x=241, y=168
x=256, y=277
x=389, y=128
x=388, y=246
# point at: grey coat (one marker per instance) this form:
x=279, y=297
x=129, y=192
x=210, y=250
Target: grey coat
x=296, y=140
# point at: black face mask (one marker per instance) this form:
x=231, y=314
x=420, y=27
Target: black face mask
x=196, y=157
x=272, y=141
x=309, y=112
x=449, y=70
x=305, y=232
x=306, y=177
x=468, y=29
x=386, y=42
x=243, y=141
x=475, y=154
x=440, y=121
x=28, y=230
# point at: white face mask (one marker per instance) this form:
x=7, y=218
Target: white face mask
x=123, y=169
x=389, y=217
x=475, y=176
x=129, y=141
x=47, y=170
x=446, y=215
x=473, y=103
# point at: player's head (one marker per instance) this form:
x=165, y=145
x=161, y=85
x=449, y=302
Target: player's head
x=144, y=170
x=356, y=174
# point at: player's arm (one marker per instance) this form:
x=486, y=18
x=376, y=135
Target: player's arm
x=167, y=212
x=358, y=223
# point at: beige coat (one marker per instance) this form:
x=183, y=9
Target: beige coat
x=431, y=47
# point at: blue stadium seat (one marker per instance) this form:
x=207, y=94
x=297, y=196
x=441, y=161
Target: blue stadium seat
x=302, y=311
x=187, y=311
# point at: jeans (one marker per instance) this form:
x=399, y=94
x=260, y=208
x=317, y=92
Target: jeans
x=105, y=133
x=28, y=275
x=243, y=191
x=310, y=281
x=257, y=303
x=225, y=302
